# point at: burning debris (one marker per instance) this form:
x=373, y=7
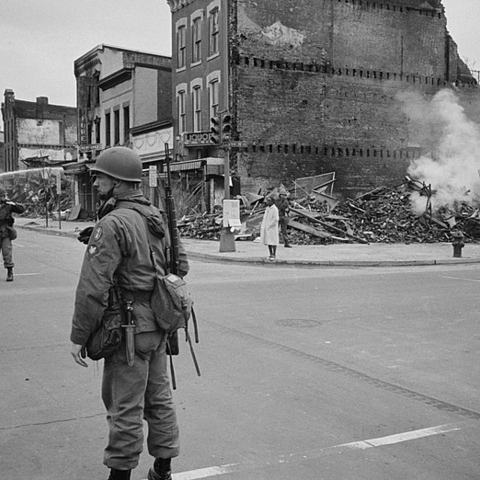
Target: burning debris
x=383, y=215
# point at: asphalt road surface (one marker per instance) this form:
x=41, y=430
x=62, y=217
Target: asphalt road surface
x=307, y=374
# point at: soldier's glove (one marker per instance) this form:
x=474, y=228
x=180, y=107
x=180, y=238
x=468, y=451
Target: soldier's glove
x=84, y=235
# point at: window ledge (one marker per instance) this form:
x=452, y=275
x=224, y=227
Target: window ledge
x=215, y=55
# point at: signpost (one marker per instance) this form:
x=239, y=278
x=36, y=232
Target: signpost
x=152, y=182
x=58, y=178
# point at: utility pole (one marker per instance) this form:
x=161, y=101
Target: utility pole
x=221, y=134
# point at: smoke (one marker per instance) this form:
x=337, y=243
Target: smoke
x=452, y=144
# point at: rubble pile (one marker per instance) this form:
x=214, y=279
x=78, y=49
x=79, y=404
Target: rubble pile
x=37, y=200
x=382, y=215
x=36, y=190
x=201, y=227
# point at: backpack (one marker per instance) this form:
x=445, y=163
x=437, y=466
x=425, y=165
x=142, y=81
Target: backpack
x=171, y=300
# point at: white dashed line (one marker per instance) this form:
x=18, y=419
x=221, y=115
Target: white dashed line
x=361, y=445
x=463, y=279
x=401, y=437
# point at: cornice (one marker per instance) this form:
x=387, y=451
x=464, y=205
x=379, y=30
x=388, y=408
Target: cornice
x=176, y=5
x=115, y=79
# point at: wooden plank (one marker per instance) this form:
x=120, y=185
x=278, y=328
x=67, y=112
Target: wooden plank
x=308, y=229
x=307, y=214
x=313, y=231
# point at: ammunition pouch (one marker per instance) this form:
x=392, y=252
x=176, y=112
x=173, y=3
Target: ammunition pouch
x=12, y=233
x=107, y=338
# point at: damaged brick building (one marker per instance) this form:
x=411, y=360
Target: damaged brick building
x=37, y=134
x=311, y=84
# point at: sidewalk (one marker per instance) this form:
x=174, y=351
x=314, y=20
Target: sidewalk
x=339, y=255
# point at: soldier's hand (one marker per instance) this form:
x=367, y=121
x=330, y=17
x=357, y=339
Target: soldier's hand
x=84, y=235
x=76, y=352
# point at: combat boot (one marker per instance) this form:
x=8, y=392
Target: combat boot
x=9, y=274
x=119, y=474
x=161, y=470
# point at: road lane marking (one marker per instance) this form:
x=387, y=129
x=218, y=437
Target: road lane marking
x=283, y=459
x=460, y=278
x=400, y=437
x=207, y=472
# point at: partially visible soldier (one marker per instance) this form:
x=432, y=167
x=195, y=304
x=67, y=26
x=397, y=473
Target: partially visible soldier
x=283, y=206
x=118, y=253
x=7, y=234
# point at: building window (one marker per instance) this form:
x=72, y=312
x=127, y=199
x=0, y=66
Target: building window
x=89, y=134
x=213, y=32
x=97, y=130
x=182, y=117
x=126, y=124
x=197, y=40
x=108, y=129
x=197, y=109
x=116, y=126
x=181, y=46
x=213, y=97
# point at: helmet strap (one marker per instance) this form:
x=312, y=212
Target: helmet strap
x=107, y=206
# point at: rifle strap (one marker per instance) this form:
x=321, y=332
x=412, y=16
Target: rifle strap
x=159, y=272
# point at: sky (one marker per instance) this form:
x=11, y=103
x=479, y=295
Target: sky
x=41, y=39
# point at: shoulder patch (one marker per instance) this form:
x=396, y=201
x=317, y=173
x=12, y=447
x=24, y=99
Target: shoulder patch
x=97, y=233
x=92, y=251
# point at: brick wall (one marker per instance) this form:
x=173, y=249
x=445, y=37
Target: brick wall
x=315, y=83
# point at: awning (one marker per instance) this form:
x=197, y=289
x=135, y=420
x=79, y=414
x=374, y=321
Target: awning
x=186, y=165
x=78, y=168
x=214, y=166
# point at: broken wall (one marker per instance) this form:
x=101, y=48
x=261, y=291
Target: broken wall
x=315, y=84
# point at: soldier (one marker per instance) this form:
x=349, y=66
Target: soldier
x=7, y=232
x=283, y=206
x=118, y=252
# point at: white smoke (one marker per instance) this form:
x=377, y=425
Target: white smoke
x=452, y=144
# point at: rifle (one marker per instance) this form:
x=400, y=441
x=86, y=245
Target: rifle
x=172, y=253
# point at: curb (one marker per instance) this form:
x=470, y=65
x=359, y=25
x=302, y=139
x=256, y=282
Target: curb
x=47, y=231
x=208, y=258
x=255, y=261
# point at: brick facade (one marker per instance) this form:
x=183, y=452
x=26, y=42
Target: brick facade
x=313, y=84
x=37, y=133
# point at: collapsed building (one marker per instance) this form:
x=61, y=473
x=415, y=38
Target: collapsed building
x=382, y=215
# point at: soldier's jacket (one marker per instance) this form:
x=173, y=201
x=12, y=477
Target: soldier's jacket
x=6, y=210
x=283, y=206
x=118, y=248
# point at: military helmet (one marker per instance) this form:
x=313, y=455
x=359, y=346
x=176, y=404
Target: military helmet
x=2, y=191
x=119, y=162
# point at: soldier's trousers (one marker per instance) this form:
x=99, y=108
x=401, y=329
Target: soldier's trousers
x=7, y=252
x=132, y=394
x=283, y=222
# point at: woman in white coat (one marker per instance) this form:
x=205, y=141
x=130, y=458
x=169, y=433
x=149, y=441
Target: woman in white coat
x=269, y=228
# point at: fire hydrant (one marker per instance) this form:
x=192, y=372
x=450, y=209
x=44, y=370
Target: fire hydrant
x=458, y=244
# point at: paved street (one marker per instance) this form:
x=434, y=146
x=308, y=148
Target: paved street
x=332, y=374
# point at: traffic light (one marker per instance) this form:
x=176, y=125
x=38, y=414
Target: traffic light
x=216, y=130
x=226, y=127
